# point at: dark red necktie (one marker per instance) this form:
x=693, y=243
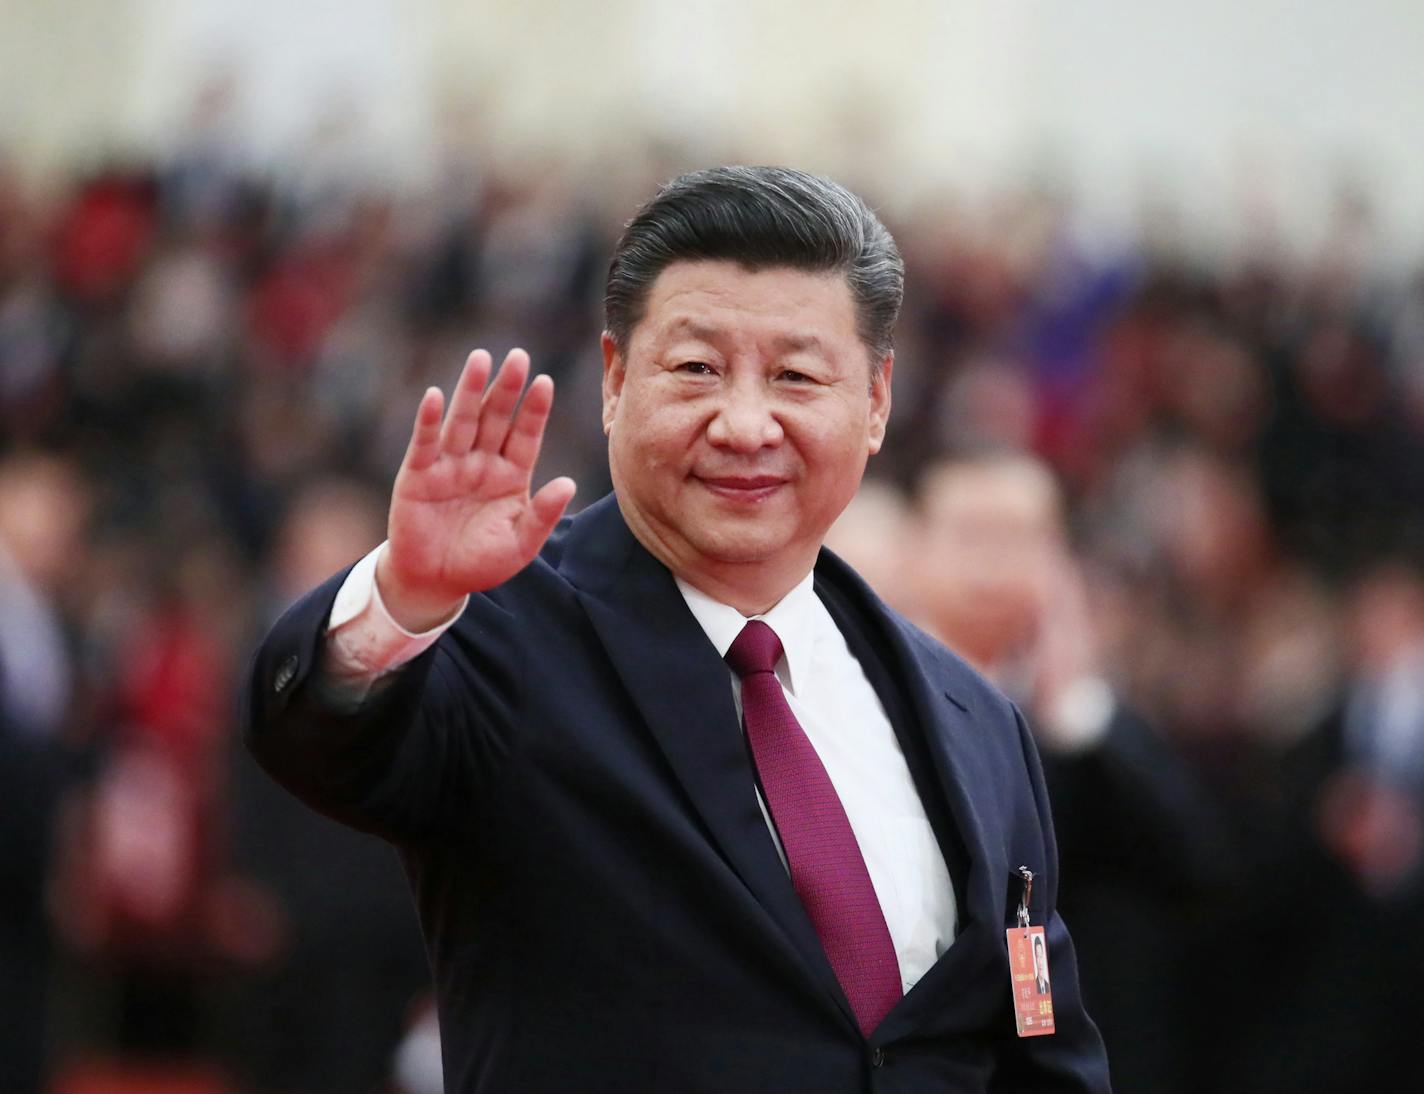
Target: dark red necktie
x=827, y=868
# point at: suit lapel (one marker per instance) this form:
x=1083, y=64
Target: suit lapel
x=683, y=690
x=949, y=729
x=937, y=725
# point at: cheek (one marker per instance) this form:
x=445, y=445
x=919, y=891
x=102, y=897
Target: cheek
x=655, y=437
x=830, y=448
x=833, y=462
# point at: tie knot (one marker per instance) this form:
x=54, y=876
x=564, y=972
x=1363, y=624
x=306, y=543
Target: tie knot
x=757, y=649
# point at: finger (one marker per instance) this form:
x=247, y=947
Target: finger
x=545, y=509
x=424, y=444
x=526, y=434
x=500, y=401
x=463, y=421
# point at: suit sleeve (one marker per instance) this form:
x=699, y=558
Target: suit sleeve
x=1072, y=1059
x=416, y=756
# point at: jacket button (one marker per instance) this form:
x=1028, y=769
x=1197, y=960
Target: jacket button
x=286, y=673
x=877, y=1057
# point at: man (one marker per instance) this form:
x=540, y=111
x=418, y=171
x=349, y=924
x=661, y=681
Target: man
x=641, y=866
x=1040, y=966
x=348, y=923
x=43, y=507
x=1147, y=849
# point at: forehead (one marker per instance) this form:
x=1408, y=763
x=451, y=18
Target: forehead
x=724, y=301
x=992, y=497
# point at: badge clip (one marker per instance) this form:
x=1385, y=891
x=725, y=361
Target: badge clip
x=1027, y=875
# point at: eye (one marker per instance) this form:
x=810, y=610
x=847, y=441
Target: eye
x=696, y=368
x=794, y=376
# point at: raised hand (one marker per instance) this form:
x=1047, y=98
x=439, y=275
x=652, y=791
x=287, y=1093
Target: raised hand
x=1066, y=658
x=462, y=518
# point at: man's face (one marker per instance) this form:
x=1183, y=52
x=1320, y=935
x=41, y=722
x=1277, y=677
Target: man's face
x=740, y=420
x=994, y=541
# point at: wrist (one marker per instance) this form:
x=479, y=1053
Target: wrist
x=414, y=607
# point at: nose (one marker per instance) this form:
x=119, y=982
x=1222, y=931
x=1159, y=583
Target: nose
x=745, y=421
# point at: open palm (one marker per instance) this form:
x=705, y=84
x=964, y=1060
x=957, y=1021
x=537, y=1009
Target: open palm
x=462, y=518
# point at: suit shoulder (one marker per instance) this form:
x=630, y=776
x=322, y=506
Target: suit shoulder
x=950, y=672
x=966, y=683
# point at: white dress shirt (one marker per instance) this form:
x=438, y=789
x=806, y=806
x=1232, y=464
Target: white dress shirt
x=833, y=701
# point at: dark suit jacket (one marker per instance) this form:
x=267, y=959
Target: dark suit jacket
x=566, y=779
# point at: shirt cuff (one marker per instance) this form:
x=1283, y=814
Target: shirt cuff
x=364, y=642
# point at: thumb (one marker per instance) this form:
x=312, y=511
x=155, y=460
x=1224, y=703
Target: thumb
x=545, y=509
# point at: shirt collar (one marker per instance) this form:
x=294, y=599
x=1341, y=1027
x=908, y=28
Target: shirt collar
x=792, y=619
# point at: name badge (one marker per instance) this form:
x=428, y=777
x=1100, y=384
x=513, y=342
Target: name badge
x=1028, y=970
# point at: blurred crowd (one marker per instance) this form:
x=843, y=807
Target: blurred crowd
x=1172, y=502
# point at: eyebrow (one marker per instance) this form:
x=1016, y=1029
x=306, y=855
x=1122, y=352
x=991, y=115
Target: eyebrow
x=785, y=343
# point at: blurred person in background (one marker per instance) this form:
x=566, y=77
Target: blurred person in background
x=327, y=1009
x=996, y=580
x=148, y=901
x=43, y=508
x=1346, y=844
x=1372, y=812
x=873, y=534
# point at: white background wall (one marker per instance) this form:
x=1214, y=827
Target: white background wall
x=1213, y=99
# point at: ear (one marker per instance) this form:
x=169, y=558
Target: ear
x=880, y=402
x=613, y=374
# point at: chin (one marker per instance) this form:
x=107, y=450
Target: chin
x=731, y=548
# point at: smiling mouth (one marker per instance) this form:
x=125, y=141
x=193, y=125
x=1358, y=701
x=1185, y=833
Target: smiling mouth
x=742, y=488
